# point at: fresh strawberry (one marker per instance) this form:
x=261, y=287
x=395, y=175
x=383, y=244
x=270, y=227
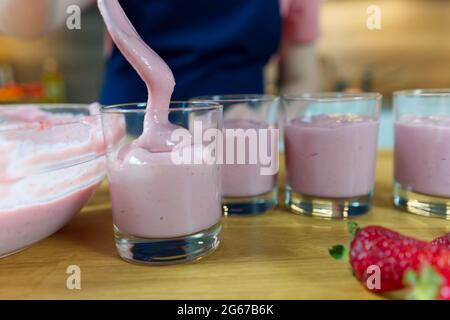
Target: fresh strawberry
x=424, y=266
x=392, y=252
x=442, y=241
x=433, y=279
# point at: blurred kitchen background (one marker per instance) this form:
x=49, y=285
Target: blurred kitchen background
x=412, y=50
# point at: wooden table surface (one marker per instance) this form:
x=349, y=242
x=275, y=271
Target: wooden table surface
x=274, y=256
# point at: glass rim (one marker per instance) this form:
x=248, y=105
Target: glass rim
x=33, y=125
x=13, y=106
x=334, y=96
x=140, y=107
x=236, y=98
x=423, y=92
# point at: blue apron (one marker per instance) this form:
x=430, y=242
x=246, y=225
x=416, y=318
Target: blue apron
x=212, y=46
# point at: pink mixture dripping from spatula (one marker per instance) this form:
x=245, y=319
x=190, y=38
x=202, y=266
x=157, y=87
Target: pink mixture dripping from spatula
x=151, y=196
x=154, y=72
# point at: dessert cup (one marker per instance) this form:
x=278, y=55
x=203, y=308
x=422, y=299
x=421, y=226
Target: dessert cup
x=166, y=206
x=330, y=151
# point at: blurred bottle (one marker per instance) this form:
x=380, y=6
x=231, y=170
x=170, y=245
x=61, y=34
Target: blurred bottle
x=367, y=80
x=53, y=82
x=6, y=75
x=341, y=85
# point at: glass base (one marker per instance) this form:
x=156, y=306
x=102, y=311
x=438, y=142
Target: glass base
x=167, y=251
x=246, y=206
x=421, y=204
x=328, y=208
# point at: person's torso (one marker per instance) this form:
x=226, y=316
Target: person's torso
x=212, y=46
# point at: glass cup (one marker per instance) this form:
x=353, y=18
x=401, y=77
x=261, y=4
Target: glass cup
x=422, y=152
x=250, y=153
x=166, y=206
x=330, y=152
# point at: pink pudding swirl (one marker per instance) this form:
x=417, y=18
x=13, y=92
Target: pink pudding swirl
x=142, y=176
x=154, y=72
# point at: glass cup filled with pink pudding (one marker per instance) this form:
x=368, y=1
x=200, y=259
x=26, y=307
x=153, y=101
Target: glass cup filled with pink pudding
x=250, y=153
x=330, y=142
x=166, y=203
x=422, y=152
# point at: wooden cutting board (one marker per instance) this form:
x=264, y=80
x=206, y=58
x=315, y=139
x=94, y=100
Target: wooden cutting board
x=274, y=256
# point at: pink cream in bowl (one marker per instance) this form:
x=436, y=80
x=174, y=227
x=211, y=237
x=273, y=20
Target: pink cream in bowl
x=51, y=162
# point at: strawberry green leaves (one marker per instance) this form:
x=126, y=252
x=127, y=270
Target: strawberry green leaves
x=425, y=285
x=340, y=251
